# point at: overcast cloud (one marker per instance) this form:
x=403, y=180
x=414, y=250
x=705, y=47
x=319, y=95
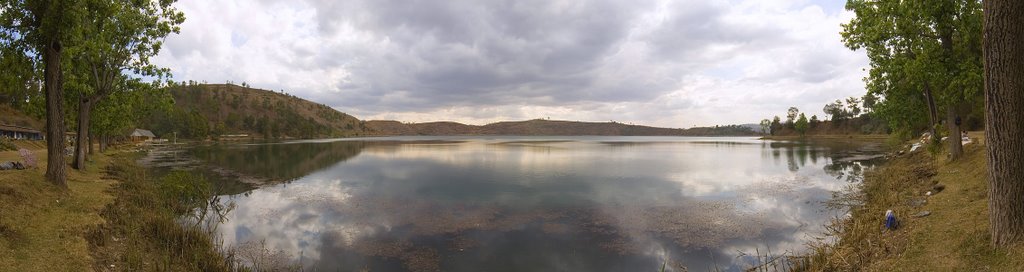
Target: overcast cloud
x=662, y=63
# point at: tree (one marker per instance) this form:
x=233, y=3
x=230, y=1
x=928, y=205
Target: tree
x=776, y=125
x=853, y=104
x=801, y=124
x=18, y=84
x=119, y=38
x=766, y=126
x=40, y=29
x=835, y=109
x=931, y=46
x=1004, y=106
x=121, y=111
x=869, y=100
x=814, y=121
x=791, y=115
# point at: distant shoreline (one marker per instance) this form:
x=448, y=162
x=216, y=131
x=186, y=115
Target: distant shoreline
x=828, y=136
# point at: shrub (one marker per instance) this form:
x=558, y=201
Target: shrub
x=28, y=157
x=7, y=144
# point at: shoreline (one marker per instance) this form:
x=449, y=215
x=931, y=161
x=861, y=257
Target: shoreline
x=828, y=136
x=946, y=230
x=114, y=216
x=90, y=232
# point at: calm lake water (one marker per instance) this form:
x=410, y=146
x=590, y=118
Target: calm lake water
x=526, y=203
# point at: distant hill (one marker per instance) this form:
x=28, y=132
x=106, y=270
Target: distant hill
x=754, y=127
x=220, y=110
x=545, y=128
x=215, y=110
x=14, y=117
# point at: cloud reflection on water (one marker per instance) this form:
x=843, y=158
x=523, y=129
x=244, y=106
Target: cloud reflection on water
x=503, y=202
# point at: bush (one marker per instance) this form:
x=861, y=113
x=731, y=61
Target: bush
x=28, y=157
x=185, y=191
x=145, y=230
x=6, y=144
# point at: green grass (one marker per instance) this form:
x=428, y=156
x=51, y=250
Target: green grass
x=142, y=231
x=42, y=227
x=7, y=144
x=955, y=237
x=115, y=216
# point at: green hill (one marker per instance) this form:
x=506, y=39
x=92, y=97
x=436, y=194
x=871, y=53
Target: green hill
x=225, y=110
x=217, y=110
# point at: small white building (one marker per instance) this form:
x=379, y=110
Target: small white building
x=20, y=133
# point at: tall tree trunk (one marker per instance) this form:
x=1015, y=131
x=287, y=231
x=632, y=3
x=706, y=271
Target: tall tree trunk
x=933, y=113
x=92, y=138
x=55, y=162
x=956, y=147
x=1003, y=48
x=103, y=143
x=82, y=139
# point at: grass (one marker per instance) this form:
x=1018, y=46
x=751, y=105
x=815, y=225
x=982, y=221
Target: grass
x=113, y=217
x=144, y=231
x=955, y=237
x=42, y=228
x=7, y=144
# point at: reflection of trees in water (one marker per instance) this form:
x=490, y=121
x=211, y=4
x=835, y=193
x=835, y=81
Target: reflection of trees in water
x=798, y=154
x=278, y=162
x=851, y=171
x=814, y=155
x=393, y=223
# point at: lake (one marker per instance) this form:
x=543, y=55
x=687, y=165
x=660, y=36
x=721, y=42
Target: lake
x=525, y=203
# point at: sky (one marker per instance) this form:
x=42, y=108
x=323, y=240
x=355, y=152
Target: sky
x=663, y=63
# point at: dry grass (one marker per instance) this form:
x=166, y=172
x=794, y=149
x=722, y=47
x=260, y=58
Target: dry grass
x=955, y=237
x=42, y=228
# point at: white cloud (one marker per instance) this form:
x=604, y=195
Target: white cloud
x=664, y=63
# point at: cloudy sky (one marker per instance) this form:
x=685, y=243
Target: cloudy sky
x=665, y=63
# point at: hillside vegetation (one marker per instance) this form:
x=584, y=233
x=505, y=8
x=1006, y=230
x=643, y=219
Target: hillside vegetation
x=14, y=117
x=861, y=125
x=200, y=111
x=539, y=127
x=214, y=110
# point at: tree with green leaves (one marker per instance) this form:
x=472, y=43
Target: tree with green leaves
x=801, y=124
x=18, y=82
x=853, y=104
x=1004, y=106
x=121, y=111
x=119, y=38
x=766, y=126
x=776, y=126
x=869, y=100
x=40, y=30
x=835, y=110
x=791, y=115
x=925, y=57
